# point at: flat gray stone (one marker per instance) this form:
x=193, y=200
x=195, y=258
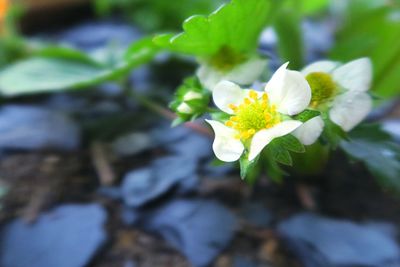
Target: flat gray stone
x=344, y=243
x=30, y=128
x=67, y=236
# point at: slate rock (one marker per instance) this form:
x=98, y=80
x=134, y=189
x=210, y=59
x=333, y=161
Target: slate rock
x=307, y=254
x=240, y=261
x=67, y=236
x=166, y=134
x=97, y=34
x=256, y=214
x=217, y=171
x=343, y=243
x=131, y=216
x=30, y=128
x=200, y=229
x=393, y=128
x=132, y=144
x=111, y=192
x=144, y=185
x=194, y=146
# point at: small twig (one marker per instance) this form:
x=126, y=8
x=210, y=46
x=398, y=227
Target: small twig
x=102, y=164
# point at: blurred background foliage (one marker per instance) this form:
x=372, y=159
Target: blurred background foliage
x=156, y=15
x=363, y=28
x=372, y=28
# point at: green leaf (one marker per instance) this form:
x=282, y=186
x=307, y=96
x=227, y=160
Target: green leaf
x=311, y=7
x=246, y=166
x=236, y=26
x=279, y=153
x=306, y=115
x=60, y=69
x=371, y=145
x=290, y=40
x=291, y=143
x=61, y=52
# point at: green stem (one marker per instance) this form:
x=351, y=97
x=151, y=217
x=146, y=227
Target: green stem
x=165, y=113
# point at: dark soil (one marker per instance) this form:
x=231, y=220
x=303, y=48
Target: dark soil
x=39, y=181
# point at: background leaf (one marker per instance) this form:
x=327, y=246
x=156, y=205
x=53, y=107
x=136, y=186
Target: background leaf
x=236, y=25
x=57, y=69
x=374, y=147
x=290, y=40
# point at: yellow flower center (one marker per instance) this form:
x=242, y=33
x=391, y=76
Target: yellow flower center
x=253, y=114
x=323, y=88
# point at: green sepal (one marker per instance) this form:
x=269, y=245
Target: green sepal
x=291, y=143
x=306, y=115
x=198, y=105
x=247, y=167
x=279, y=153
x=220, y=116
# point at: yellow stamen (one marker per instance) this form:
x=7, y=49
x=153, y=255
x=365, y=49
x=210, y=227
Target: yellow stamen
x=252, y=115
x=229, y=123
x=253, y=94
x=233, y=107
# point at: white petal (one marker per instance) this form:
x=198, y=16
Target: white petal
x=355, y=75
x=244, y=74
x=184, y=108
x=289, y=90
x=350, y=108
x=191, y=95
x=209, y=76
x=326, y=66
x=309, y=131
x=226, y=93
x=248, y=72
x=226, y=147
x=264, y=137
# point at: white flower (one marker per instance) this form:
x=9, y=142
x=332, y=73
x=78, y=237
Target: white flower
x=244, y=74
x=258, y=117
x=340, y=89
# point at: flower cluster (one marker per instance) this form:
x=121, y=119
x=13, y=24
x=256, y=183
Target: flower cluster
x=258, y=117
x=255, y=118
